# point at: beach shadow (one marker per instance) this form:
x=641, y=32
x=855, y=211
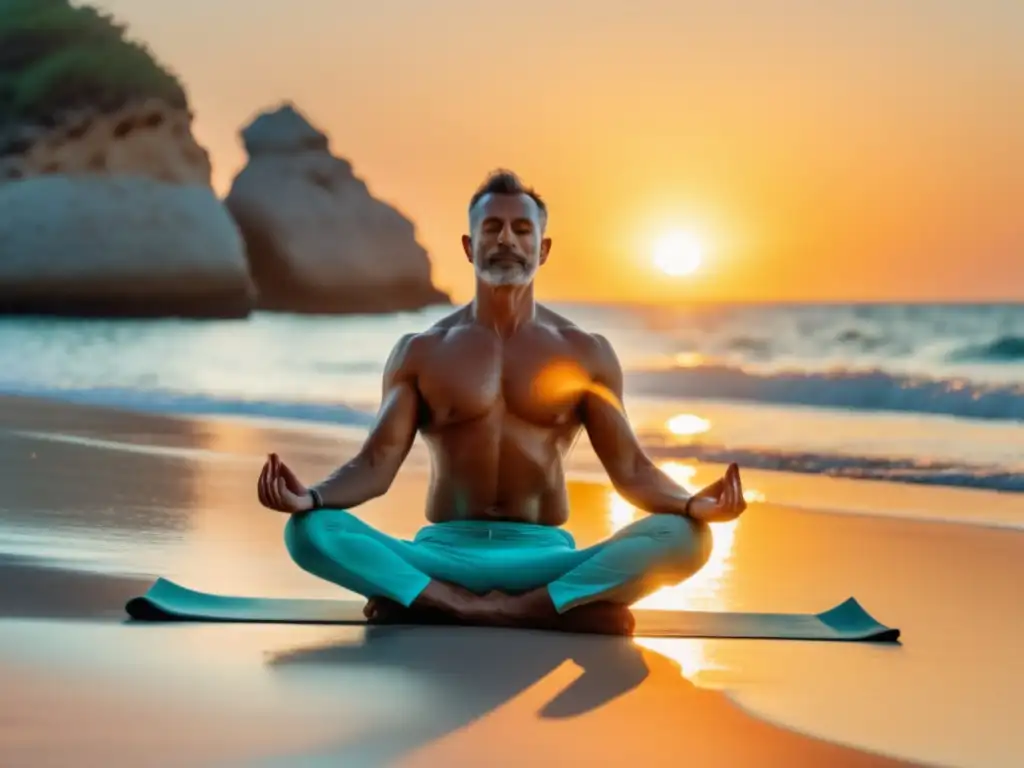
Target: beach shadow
x=639, y=708
x=474, y=671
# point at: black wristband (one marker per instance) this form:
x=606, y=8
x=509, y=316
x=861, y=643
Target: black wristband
x=318, y=500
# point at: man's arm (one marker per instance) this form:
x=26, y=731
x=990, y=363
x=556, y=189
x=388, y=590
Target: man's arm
x=370, y=473
x=632, y=473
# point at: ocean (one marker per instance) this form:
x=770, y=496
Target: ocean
x=912, y=393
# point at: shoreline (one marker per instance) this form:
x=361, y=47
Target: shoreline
x=813, y=493
x=859, y=423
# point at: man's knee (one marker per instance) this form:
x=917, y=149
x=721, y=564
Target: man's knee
x=304, y=532
x=685, y=544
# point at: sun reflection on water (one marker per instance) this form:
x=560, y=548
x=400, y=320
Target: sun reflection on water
x=687, y=424
x=622, y=512
x=680, y=472
x=688, y=359
x=701, y=592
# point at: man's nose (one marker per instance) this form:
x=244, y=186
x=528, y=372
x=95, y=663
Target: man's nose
x=505, y=236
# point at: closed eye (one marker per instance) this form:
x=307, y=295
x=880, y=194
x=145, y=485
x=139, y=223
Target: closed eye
x=519, y=226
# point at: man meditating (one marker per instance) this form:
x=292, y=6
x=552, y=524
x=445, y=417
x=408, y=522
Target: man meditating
x=499, y=390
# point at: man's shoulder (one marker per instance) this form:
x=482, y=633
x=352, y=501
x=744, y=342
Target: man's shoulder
x=453, y=319
x=412, y=346
x=589, y=347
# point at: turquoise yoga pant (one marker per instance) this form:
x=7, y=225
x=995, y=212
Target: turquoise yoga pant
x=653, y=552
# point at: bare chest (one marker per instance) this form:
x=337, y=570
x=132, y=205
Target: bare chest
x=477, y=376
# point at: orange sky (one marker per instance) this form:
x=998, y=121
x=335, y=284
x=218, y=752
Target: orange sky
x=851, y=149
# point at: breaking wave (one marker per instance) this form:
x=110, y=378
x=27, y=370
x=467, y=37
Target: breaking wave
x=1005, y=349
x=900, y=470
x=873, y=390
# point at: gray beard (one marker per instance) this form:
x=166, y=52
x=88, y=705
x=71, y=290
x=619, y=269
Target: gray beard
x=512, y=275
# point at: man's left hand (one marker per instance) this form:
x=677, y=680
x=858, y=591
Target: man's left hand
x=721, y=501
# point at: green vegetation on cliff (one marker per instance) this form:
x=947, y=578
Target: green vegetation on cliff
x=56, y=57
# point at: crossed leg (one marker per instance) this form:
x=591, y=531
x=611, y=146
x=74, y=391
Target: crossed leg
x=585, y=589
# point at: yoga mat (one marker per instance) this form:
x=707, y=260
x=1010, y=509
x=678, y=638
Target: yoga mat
x=848, y=621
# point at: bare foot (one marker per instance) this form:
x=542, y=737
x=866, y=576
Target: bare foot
x=498, y=609
x=534, y=610
x=381, y=610
x=598, y=618
x=444, y=603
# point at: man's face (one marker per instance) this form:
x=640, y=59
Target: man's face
x=507, y=243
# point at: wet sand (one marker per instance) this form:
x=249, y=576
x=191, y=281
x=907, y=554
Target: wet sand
x=97, y=503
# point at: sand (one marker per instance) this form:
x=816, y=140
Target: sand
x=96, y=503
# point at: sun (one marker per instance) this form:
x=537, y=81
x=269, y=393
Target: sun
x=678, y=254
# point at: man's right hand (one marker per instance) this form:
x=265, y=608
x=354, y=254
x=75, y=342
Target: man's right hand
x=721, y=501
x=279, y=489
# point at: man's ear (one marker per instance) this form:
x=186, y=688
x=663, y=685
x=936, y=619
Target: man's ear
x=467, y=246
x=545, y=249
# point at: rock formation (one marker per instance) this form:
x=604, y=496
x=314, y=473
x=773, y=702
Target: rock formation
x=119, y=246
x=105, y=199
x=317, y=240
x=146, y=138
